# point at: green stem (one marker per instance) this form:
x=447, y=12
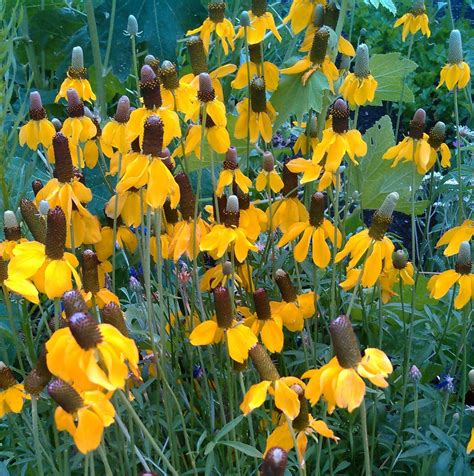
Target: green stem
x=109, y=38
x=301, y=465
x=135, y=65
x=103, y=456
x=365, y=439
x=402, y=91
x=458, y=156
x=34, y=417
x=114, y=226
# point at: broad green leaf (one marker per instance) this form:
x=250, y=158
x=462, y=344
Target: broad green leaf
x=243, y=448
x=388, y=4
x=222, y=432
x=390, y=70
x=375, y=178
x=292, y=97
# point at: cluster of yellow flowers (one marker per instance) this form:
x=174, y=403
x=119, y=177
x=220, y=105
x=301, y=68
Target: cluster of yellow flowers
x=90, y=355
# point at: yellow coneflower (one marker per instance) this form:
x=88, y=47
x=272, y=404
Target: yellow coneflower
x=415, y=20
x=255, y=114
x=401, y=272
x=379, y=248
x=414, y=147
x=216, y=22
x=316, y=231
x=455, y=236
x=316, y=60
x=261, y=20
x=268, y=177
x=436, y=142
x=124, y=239
x=256, y=67
x=76, y=78
x=231, y=173
x=128, y=207
x=114, y=134
x=301, y=13
x=308, y=138
x=220, y=275
x=359, y=87
x=238, y=337
x=440, y=284
x=253, y=220
x=38, y=130
x=457, y=72
x=84, y=415
x=12, y=393
x=77, y=127
x=340, y=381
x=177, y=95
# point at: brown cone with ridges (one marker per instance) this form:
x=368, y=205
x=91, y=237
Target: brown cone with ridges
x=187, y=199
x=150, y=88
x=288, y=291
x=263, y=363
x=63, y=169
x=223, y=307
x=55, y=234
x=39, y=376
x=319, y=47
x=317, y=208
x=85, y=330
x=262, y=304
x=33, y=220
x=73, y=302
x=345, y=343
x=90, y=272
x=197, y=55
x=113, y=315
x=153, y=133
x=274, y=462
x=65, y=396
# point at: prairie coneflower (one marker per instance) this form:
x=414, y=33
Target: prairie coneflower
x=177, y=95
x=294, y=308
x=12, y=393
x=261, y=20
x=401, y=272
x=128, y=207
x=268, y=176
x=440, y=284
x=217, y=23
x=38, y=130
x=87, y=354
x=301, y=14
x=84, y=415
x=255, y=113
x=308, y=139
x=457, y=72
x=285, y=398
x=12, y=231
x=76, y=78
x=340, y=381
x=238, y=337
x=316, y=230
x=228, y=234
x=414, y=147
x=415, y=20
x=437, y=145
x=256, y=67
x=222, y=274
x=455, y=236
x=114, y=134
x=47, y=265
x=253, y=220
x=231, y=173
x=379, y=248
x=317, y=60
x=359, y=87
x=125, y=239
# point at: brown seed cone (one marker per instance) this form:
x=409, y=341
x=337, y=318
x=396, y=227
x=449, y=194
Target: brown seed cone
x=230, y=161
x=437, y=135
x=187, y=200
x=345, y=343
x=197, y=55
x=319, y=47
x=258, y=100
x=36, y=186
x=244, y=198
x=316, y=209
x=301, y=422
x=206, y=91
x=77, y=73
x=150, y=88
x=153, y=136
x=223, y=307
x=122, y=113
x=463, y=262
x=259, y=7
x=262, y=304
x=340, y=116
x=171, y=214
x=33, y=220
x=7, y=379
x=73, y=302
x=288, y=291
x=63, y=169
x=230, y=218
x=216, y=11
x=113, y=315
x=55, y=234
x=290, y=181
x=399, y=259
x=331, y=15
x=417, y=125
x=135, y=145
x=255, y=53
x=12, y=233
x=263, y=363
x=3, y=270
x=274, y=463
x=38, y=114
x=39, y=376
x=169, y=76
x=85, y=330
x=379, y=226
x=154, y=64
x=90, y=274
x=65, y=395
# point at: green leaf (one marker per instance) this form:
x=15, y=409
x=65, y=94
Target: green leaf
x=388, y=4
x=390, y=70
x=221, y=433
x=243, y=448
x=292, y=97
x=375, y=178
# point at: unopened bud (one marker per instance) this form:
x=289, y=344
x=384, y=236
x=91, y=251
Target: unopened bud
x=455, y=54
x=470, y=377
x=77, y=58
x=331, y=15
x=132, y=26
x=206, y=91
x=318, y=16
x=275, y=462
x=437, y=135
x=400, y=259
x=245, y=19
x=44, y=207
x=415, y=373
x=58, y=125
x=268, y=162
x=361, y=65
x=227, y=269
x=33, y=220
x=417, y=124
x=463, y=262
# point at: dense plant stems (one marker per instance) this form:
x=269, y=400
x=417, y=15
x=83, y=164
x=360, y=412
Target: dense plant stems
x=402, y=92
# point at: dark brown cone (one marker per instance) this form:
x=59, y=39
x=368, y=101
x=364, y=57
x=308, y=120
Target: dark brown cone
x=169, y=76
x=77, y=73
x=75, y=110
x=154, y=64
x=135, y=145
x=220, y=203
x=262, y=304
x=263, y=363
x=290, y=181
x=340, y=116
x=216, y=11
x=244, y=198
x=259, y=7
x=206, y=91
x=113, y=315
x=90, y=274
x=345, y=343
x=464, y=262
x=63, y=170
x=38, y=114
x=85, y=330
x=7, y=379
x=437, y=135
x=399, y=259
x=331, y=15
x=33, y=220
x=417, y=125
x=197, y=55
x=230, y=218
x=316, y=209
x=150, y=88
x=288, y=291
x=153, y=136
x=171, y=214
x=258, y=100
x=12, y=233
x=122, y=113
x=223, y=307
x=187, y=200
x=274, y=463
x=39, y=376
x=379, y=225
x=55, y=234
x=73, y=302
x=36, y=186
x=3, y=270
x=301, y=422
x=255, y=53
x=230, y=161
x=317, y=54
x=65, y=395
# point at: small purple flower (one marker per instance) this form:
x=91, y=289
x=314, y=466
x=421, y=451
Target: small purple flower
x=198, y=371
x=415, y=373
x=446, y=383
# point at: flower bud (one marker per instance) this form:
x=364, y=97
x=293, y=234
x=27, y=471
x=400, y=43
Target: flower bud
x=223, y=307
x=122, y=113
x=399, y=259
x=63, y=163
x=258, y=98
x=417, y=124
x=227, y=269
x=55, y=234
x=132, y=26
x=263, y=363
x=73, y=302
x=470, y=378
x=287, y=290
x=361, y=65
x=363, y=34
x=44, y=207
x=259, y=7
x=10, y=226
x=150, y=88
x=318, y=16
x=197, y=55
x=268, y=162
x=169, y=75
x=331, y=15
x=340, y=116
x=37, y=111
x=39, y=376
x=455, y=54
x=85, y=330
x=187, y=199
x=275, y=462
x=113, y=315
x=345, y=343
x=244, y=19
x=36, y=186
x=316, y=209
x=77, y=58
x=206, y=91
x=463, y=262
x=153, y=134
x=65, y=396
x=33, y=220
x=262, y=304
x=75, y=107
x=414, y=373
